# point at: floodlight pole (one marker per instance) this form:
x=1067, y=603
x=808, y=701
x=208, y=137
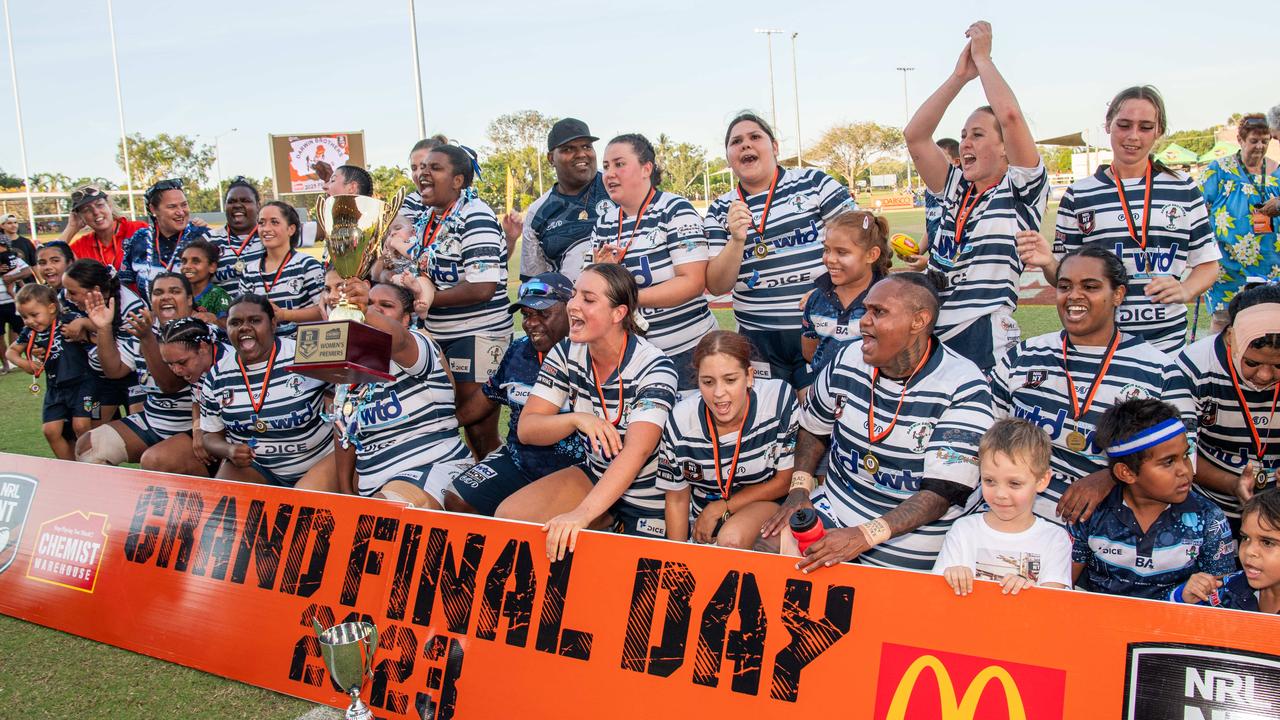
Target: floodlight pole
x=22, y=140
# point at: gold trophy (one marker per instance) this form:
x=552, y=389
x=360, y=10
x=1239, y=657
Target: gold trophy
x=343, y=349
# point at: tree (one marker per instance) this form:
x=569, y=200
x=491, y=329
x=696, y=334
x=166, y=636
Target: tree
x=166, y=156
x=387, y=179
x=50, y=182
x=9, y=182
x=1056, y=159
x=682, y=166
x=848, y=150
x=520, y=139
x=1197, y=141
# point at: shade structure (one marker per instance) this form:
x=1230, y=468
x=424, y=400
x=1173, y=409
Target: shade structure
x=1220, y=149
x=1072, y=140
x=1175, y=154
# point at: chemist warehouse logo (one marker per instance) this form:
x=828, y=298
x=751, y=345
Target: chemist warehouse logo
x=68, y=551
x=16, y=495
x=920, y=684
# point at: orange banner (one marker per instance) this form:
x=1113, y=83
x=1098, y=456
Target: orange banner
x=474, y=621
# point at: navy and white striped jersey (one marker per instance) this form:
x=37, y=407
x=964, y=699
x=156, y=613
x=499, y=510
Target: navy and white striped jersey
x=932, y=446
x=557, y=230
x=414, y=208
x=129, y=303
x=768, y=291
x=298, y=284
x=1179, y=237
x=648, y=384
x=1029, y=383
x=1224, y=439
x=234, y=251
x=982, y=270
x=685, y=457
x=296, y=435
x=143, y=257
x=167, y=414
x=406, y=423
x=669, y=234
x=469, y=246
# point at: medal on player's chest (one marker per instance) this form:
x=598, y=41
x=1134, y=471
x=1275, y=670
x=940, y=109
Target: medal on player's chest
x=761, y=250
x=240, y=267
x=34, y=388
x=259, y=425
x=1076, y=441
x=870, y=463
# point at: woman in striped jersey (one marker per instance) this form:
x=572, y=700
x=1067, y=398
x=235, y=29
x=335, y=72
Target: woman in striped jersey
x=83, y=277
x=397, y=439
x=727, y=451
x=615, y=390
x=1064, y=381
x=1152, y=217
x=766, y=240
x=462, y=252
x=166, y=403
x=293, y=281
x=263, y=423
x=658, y=237
x=1235, y=376
x=238, y=242
x=999, y=189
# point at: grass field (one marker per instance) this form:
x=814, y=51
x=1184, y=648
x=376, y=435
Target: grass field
x=49, y=674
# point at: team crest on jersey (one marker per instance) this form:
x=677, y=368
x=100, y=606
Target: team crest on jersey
x=1085, y=219
x=799, y=202
x=1209, y=414
x=920, y=434
x=1171, y=215
x=1035, y=378
x=839, y=410
x=1132, y=392
x=690, y=471
x=226, y=397
x=294, y=384
x=294, y=285
x=308, y=341
x=603, y=207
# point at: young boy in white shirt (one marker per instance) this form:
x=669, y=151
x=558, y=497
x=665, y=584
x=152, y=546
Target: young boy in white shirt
x=1008, y=543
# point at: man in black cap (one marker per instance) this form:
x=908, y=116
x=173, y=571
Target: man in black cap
x=557, y=227
x=541, y=302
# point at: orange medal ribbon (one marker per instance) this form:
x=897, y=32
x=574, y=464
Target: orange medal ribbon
x=1259, y=447
x=725, y=484
x=872, y=435
x=768, y=203
x=48, y=349
x=595, y=376
x=635, y=225
x=1076, y=408
x=266, y=380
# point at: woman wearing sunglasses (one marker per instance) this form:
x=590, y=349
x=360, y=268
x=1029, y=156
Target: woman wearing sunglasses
x=157, y=248
x=545, y=321
x=91, y=209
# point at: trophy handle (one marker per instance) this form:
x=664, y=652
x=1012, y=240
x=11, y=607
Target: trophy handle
x=319, y=629
x=371, y=640
x=317, y=212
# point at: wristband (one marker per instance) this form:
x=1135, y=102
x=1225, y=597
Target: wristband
x=801, y=480
x=875, y=531
x=1176, y=594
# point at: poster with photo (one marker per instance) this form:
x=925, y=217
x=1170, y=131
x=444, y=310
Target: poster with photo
x=295, y=157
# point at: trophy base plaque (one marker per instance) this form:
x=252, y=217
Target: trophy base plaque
x=342, y=351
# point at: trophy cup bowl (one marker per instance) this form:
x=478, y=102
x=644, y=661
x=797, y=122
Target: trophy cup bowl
x=343, y=349
x=348, y=651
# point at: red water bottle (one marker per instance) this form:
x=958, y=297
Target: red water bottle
x=806, y=528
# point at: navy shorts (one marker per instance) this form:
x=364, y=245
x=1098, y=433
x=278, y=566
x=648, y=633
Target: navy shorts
x=641, y=522
x=137, y=422
x=686, y=373
x=112, y=393
x=64, y=402
x=493, y=480
x=474, y=358
x=781, y=349
x=9, y=318
x=272, y=478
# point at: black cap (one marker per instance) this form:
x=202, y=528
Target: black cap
x=82, y=196
x=542, y=291
x=566, y=130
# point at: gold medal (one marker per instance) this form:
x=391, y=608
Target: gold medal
x=240, y=266
x=34, y=388
x=871, y=464
x=348, y=409
x=1261, y=478
x=260, y=426
x=761, y=250
x=582, y=215
x=1076, y=441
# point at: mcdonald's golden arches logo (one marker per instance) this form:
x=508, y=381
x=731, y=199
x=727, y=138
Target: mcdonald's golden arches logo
x=918, y=683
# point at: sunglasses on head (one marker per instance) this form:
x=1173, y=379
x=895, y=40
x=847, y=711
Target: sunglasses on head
x=88, y=191
x=538, y=288
x=1254, y=122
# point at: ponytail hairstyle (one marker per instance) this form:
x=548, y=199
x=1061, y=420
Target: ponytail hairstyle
x=290, y=218
x=994, y=118
x=644, y=151
x=620, y=289
x=462, y=160
x=403, y=295
x=867, y=230
x=748, y=116
x=1151, y=95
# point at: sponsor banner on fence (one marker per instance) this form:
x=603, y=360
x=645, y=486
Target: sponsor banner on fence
x=475, y=622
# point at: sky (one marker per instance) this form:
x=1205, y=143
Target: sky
x=680, y=68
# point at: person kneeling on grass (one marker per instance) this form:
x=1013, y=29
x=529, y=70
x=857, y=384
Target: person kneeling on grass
x=1008, y=543
x=41, y=348
x=1152, y=537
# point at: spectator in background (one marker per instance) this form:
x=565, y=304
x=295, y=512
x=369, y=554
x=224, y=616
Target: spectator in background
x=1242, y=192
x=91, y=209
x=1273, y=121
x=933, y=205
x=13, y=269
x=557, y=228
x=17, y=243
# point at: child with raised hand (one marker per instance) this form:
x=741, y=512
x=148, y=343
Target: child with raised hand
x=41, y=349
x=855, y=252
x=1008, y=543
x=1152, y=536
x=199, y=265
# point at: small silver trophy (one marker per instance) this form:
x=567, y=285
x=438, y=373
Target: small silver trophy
x=348, y=653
